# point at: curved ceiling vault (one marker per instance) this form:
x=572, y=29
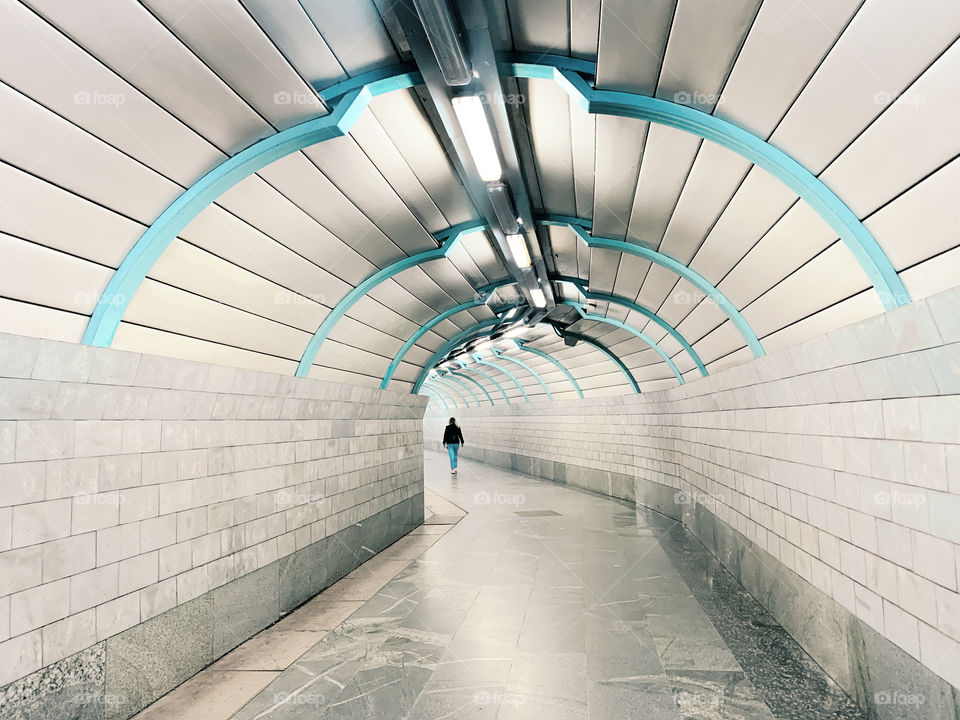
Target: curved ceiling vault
x=707, y=182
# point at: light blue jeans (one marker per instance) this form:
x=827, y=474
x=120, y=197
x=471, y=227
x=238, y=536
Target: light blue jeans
x=452, y=450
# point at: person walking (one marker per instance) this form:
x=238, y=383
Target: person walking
x=452, y=440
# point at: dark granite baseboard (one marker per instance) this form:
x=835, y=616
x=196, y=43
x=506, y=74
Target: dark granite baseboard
x=117, y=678
x=886, y=682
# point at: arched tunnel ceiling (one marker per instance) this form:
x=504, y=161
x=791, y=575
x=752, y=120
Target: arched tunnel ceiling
x=111, y=109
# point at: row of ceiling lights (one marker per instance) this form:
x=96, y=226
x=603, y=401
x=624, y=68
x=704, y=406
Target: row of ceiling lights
x=444, y=39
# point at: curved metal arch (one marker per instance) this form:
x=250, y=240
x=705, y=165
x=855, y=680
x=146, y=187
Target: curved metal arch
x=140, y=259
x=484, y=294
x=448, y=240
x=529, y=369
x=458, y=339
x=488, y=376
x=804, y=183
x=630, y=329
x=521, y=345
x=354, y=95
x=454, y=387
x=630, y=305
x=477, y=358
x=579, y=227
x=475, y=382
x=606, y=351
x=442, y=391
x=434, y=395
x=448, y=376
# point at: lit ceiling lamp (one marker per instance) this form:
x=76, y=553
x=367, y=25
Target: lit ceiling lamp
x=502, y=201
x=538, y=298
x=476, y=131
x=444, y=38
x=518, y=248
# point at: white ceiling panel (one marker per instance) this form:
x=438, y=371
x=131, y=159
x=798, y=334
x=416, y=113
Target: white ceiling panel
x=633, y=37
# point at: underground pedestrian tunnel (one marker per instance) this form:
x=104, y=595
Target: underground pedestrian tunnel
x=684, y=272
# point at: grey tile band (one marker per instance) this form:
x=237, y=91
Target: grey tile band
x=117, y=678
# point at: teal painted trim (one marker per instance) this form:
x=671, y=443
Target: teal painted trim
x=606, y=351
x=433, y=395
x=451, y=239
x=458, y=339
x=477, y=358
x=630, y=329
x=450, y=377
x=546, y=356
x=450, y=386
x=484, y=295
x=805, y=184
x=355, y=95
x=528, y=369
x=470, y=379
x=489, y=377
x=443, y=392
x=691, y=276
x=629, y=304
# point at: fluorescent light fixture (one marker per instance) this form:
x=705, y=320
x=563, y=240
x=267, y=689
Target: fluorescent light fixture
x=538, y=297
x=444, y=38
x=502, y=201
x=476, y=131
x=518, y=248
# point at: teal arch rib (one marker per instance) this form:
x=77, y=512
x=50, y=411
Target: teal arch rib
x=354, y=95
x=140, y=259
x=449, y=240
x=488, y=376
x=528, y=369
x=606, y=351
x=453, y=388
x=470, y=379
x=546, y=356
x=457, y=340
x=630, y=305
x=449, y=377
x=808, y=186
x=477, y=358
x=443, y=392
x=483, y=293
x=630, y=329
x=692, y=276
x=433, y=395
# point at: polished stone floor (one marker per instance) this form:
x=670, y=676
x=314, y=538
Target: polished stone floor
x=541, y=602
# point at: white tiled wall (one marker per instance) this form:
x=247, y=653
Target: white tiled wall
x=840, y=456
x=131, y=483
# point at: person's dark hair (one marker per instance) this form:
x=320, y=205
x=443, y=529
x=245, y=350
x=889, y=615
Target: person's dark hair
x=453, y=421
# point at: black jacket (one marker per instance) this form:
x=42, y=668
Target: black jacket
x=452, y=434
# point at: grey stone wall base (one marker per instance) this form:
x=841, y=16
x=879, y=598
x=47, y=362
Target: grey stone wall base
x=117, y=678
x=868, y=667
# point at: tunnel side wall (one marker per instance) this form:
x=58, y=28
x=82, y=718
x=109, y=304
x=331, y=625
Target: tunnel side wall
x=825, y=477
x=155, y=513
